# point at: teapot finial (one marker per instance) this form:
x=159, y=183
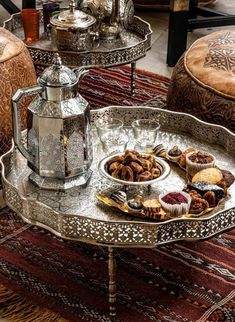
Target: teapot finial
x=57, y=61
x=72, y=6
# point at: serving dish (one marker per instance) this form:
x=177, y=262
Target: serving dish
x=132, y=45
x=205, y=191
x=78, y=215
x=165, y=170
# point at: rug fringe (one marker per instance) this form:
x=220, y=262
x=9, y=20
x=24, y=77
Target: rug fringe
x=16, y=308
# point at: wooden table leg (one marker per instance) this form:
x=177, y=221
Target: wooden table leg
x=9, y=6
x=133, y=75
x=112, y=283
x=177, y=32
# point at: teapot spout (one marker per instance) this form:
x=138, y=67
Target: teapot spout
x=80, y=72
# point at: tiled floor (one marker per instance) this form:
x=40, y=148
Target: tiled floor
x=155, y=59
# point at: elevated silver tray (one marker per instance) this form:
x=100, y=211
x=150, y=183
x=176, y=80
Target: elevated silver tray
x=79, y=215
x=131, y=46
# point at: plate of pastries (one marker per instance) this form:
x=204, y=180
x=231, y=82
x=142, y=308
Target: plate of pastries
x=206, y=185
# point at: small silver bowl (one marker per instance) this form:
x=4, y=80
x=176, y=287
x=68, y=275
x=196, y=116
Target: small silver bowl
x=164, y=173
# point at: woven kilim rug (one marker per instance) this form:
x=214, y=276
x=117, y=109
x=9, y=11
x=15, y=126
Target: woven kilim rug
x=112, y=86
x=44, y=278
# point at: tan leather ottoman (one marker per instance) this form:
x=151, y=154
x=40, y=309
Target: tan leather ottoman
x=16, y=71
x=163, y=4
x=203, y=80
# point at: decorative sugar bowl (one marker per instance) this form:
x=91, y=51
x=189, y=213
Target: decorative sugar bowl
x=59, y=149
x=73, y=29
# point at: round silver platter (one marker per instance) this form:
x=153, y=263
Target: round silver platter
x=77, y=214
x=132, y=45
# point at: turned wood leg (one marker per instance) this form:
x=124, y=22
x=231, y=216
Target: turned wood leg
x=133, y=75
x=177, y=31
x=112, y=283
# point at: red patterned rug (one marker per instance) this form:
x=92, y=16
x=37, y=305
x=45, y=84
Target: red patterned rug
x=180, y=282
x=44, y=278
x=112, y=86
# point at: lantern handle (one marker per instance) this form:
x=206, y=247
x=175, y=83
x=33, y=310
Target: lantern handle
x=17, y=123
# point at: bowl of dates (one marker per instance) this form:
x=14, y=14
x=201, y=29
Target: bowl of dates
x=134, y=168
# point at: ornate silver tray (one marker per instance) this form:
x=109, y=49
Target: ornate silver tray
x=131, y=46
x=77, y=214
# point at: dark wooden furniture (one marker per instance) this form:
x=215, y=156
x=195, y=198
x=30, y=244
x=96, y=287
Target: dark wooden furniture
x=9, y=6
x=12, y=8
x=183, y=18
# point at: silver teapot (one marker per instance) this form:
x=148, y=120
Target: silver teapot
x=104, y=9
x=59, y=149
x=111, y=15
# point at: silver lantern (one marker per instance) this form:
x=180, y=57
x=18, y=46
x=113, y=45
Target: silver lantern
x=59, y=149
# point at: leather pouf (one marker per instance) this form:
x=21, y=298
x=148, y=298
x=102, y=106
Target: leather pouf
x=152, y=4
x=163, y=4
x=16, y=71
x=203, y=80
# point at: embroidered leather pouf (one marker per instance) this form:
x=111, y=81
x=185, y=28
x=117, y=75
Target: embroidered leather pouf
x=163, y=4
x=16, y=71
x=203, y=80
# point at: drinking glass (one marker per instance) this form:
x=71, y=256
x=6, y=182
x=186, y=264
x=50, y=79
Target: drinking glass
x=30, y=19
x=114, y=143
x=112, y=135
x=108, y=125
x=145, y=132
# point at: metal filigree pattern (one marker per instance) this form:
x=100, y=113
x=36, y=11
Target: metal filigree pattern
x=74, y=158
x=58, y=76
x=33, y=144
x=59, y=109
x=132, y=45
x=47, y=216
x=76, y=214
x=14, y=199
x=103, y=8
x=221, y=59
x=52, y=161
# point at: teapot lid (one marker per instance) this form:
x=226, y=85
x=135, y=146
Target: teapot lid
x=72, y=18
x=57, y=75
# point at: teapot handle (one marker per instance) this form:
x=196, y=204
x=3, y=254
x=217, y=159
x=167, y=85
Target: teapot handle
x=17, y=97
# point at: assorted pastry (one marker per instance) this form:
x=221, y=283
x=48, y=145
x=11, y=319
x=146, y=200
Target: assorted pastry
x=198, y=160
x=137, y=206
x=182, y=160
x=176, y=203
x=174, y=154
x=133, y=167
x=206, y=185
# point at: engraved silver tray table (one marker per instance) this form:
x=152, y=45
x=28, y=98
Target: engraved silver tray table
x=78, y=215
x=132, y=45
